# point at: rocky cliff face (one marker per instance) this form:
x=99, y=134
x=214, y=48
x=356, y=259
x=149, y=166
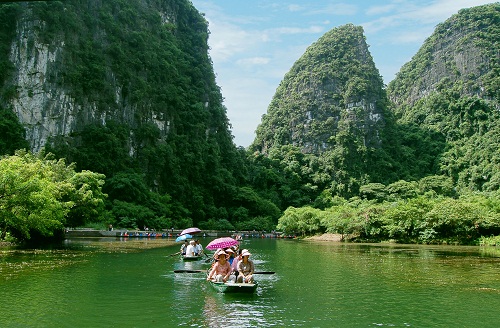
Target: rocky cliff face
x=42, y=108
x=123, y=88
x=333, y=89
x=60, y=48
x=451, y=90
x=459, y=54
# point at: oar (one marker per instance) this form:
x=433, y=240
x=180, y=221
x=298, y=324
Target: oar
x=198, y=271
x=175, y=254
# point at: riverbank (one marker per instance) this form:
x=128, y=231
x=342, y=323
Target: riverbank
x=335, y=237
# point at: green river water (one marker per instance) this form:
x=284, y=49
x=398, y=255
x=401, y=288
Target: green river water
x=86, y=283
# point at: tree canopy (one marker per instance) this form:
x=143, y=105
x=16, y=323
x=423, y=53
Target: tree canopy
x=40, y=195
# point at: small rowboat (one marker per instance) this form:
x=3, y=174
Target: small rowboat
x=191, y=258
x=230, y=287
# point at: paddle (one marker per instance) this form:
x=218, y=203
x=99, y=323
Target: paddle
x=175, y=254
x=198, y=271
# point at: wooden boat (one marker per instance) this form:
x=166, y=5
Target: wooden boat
x=191, y=258
x=230, y=287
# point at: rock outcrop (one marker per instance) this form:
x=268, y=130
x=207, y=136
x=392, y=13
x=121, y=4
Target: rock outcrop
x=333, y=88
x=460, y=54
x=75, y=64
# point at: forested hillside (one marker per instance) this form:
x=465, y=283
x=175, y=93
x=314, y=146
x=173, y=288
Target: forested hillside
x=334, y=89
x=126, y=89
x=451, y=89
x=442, y=117
x=333, y=108
x=435, y=143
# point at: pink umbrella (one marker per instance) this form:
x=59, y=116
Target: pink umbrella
x=223, y=242
x=190, y=231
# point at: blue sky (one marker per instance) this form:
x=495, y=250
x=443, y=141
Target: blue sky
x=254, y=43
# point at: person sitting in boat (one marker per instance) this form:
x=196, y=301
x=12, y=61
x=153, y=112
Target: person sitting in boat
x=184, y=247
x=245, y=268
x=221, y=270
x=199, y=248
x=234, y=265
x=191, y=249
x=232, y=259
x=215, y=257
x=230, y=256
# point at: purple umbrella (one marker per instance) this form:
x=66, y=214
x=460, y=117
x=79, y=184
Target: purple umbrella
x=190, y=231
x=223, y=242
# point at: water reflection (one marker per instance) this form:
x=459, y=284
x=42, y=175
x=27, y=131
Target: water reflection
x=236, y=310
x=213, y=315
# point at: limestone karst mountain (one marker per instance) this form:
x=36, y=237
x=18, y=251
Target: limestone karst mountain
x=120, y=86
x=334, y=88
x=451, y=89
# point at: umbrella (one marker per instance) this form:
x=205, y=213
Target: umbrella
x=223, y=242
x=191, y=231
x=183, y=237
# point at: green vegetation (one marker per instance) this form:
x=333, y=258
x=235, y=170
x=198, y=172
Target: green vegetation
x=40, y=195
x=336, y=152
x=12, y=135
x=427, y=217
x=490, y=241
x=443, y=142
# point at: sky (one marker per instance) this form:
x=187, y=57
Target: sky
x=254, y=43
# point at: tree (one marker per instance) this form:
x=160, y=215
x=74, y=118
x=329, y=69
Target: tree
x=304, y=220
x=87, y=197
x=37, y=193
x=373, y=191
x=11, y=133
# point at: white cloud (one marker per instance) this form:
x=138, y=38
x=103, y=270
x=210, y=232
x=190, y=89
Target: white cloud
x=382, y=23
x=378, y=10
x=297, y=30
x=339, y=9
x=415, y=36
x=253, y=61
x=294, y=7
x=440, y=10
x=227, y=40
x=413, y=13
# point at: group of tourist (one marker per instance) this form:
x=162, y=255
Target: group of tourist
x=191, y=248
x=232, y=265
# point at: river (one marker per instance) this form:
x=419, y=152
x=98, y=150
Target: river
x=101, y=283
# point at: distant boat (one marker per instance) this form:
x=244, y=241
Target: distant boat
x=191, y=258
